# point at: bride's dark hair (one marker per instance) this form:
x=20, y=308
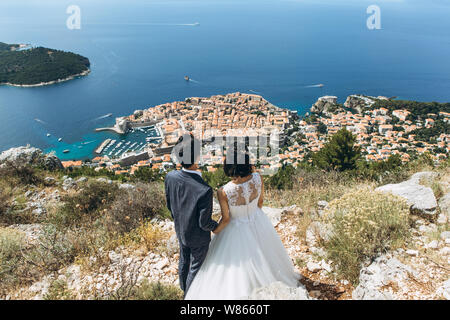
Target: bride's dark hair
x=237, y=162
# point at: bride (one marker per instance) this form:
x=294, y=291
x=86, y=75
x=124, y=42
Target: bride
x=246, y=253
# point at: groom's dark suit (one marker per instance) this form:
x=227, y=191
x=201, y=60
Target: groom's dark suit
x=190, y=200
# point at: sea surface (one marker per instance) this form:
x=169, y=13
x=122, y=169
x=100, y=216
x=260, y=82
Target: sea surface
x=141, y=50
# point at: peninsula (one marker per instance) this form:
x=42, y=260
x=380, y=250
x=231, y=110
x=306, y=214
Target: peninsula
x=382, y=127
x=24, y=66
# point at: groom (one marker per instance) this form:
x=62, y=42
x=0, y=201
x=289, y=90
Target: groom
x=190, y=200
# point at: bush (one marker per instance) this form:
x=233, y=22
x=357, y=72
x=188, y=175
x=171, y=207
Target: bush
x=4, y=202
x=132, y=207
x=85, y=204
x=365, y=223
x=215, y=179
x=58, y=291
x=151, y=236
x=156, y=291
x=147, y=174
x=53, y=251
x=11, y=244
x=20, y=174
x=283, y=179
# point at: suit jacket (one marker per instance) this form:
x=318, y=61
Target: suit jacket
x=190, y=201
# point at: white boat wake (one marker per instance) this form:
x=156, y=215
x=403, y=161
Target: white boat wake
x=195, y=81
x=253, y=91
x=85, y=143
x=103, y=117
x=315, y=86
x=40, y=121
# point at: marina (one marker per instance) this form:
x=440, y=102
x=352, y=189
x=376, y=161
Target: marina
x=136, y=140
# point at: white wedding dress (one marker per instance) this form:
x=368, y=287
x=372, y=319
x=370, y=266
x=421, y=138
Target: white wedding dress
x=247, y=254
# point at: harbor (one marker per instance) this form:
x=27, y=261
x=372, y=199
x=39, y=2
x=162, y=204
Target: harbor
x=135, y=141
x=109, y=144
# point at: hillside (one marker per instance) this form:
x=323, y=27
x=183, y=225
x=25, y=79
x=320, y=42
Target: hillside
x=68, y=235
x=39, y=66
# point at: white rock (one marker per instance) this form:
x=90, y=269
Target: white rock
x=313, y=266
x=444, y=290
x=433, y=245
x=162, y=264
x=126, y=186
x=445, y=251
x=413, y=253
x=81, y=180
x=442, y=219
x=383, y=271
x=420, y=198
x=445, y=235
x=325, y=266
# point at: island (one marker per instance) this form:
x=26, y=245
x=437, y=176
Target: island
x=25, y=66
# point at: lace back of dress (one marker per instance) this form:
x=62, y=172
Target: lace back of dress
x=245, y=193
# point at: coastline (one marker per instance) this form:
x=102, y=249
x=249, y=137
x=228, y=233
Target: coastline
x=42, y=84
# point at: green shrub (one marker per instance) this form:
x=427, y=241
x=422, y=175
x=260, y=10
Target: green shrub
x=20, y=175
x=132, y=207
x=11, y=244
x=4, y=202
x=147, y=174
x=364, y=223
x=85, y=205
x=215, y=179
x=283, y=179
x=53, y=251
x=58, y=291
x=156, y=291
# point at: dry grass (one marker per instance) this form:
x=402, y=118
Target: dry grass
x=150, y=236
x=311, y=186
x=365, y=223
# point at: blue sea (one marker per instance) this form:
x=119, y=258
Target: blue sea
x=140, y=52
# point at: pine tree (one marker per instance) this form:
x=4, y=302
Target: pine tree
x=340, y=153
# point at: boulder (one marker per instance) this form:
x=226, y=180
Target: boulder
x=279, y=291
x=68, y=183
x=23, y=156
x=424, y=177
x=127, y=186
x=420, y=198
x=376, y=277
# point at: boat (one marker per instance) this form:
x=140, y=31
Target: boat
x=196, y=24
x=321, y=85
x=186, y=78
x=48, y=134
x=60, y=139
x=66, y=151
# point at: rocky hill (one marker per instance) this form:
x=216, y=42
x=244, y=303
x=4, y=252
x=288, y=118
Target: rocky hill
x=95, y=238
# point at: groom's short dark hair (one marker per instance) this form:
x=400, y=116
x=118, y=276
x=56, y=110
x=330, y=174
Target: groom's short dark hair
x=187, y=150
